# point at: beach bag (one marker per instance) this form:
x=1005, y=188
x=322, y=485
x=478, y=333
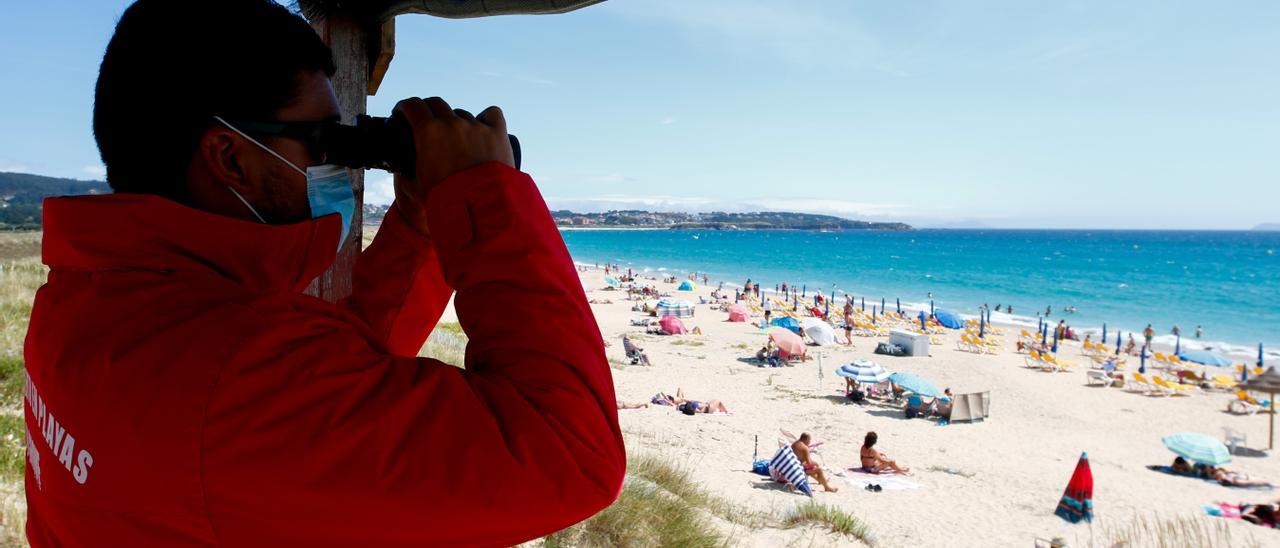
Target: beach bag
x=760, y=466
x=890, y=349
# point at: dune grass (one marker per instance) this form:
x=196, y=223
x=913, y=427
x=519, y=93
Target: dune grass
x=1177, y=532
x=835, y=519
x=21, y=274
x=644, y=515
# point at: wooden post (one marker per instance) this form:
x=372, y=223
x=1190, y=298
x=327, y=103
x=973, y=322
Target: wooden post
x=348, y=38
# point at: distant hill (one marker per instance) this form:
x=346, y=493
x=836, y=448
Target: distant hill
x=1268, y=227
x=718, y=220
x=22, y=194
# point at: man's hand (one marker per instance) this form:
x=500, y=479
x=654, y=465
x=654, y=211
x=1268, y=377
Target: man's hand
x=446, y=141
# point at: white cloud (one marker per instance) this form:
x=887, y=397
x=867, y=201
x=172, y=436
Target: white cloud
x=16, y=167
x=380, y=190
x=95, y=170
x=612, y=178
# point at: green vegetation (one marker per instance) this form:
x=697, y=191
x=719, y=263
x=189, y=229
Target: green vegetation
x=643, y=515
x=20, y=275
x=759, y=220
x=687, y=342
x=837, y=520
x=22, y=194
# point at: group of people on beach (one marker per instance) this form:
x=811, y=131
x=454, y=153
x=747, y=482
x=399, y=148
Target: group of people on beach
x=872, y=460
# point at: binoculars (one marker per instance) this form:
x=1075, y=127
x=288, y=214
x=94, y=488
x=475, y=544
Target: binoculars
x=378, y=143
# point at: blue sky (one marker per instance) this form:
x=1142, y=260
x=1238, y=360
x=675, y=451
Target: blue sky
x=1146, y=114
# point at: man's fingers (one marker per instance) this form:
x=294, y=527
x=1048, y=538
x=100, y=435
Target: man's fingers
x=493, y=118
x=440, y=108
x=464, y=114
x=415, y=111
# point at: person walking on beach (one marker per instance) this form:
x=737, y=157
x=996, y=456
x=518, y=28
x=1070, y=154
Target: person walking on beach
x=1176, y=331
x=1199, y=332
x=193, y=395
x=1148, y=334
x=811, y=469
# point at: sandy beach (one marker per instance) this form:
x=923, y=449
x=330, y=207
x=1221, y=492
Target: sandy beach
x=989, y=483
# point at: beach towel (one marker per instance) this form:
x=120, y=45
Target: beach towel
x=1169, y=470
x=785, y=467
x=1223, y=510
x=859, y=477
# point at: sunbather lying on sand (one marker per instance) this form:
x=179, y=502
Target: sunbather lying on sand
x=1223, y=476
x=625, y=405
x=801, y=449
x=1265, y=515
x=693, y=407
x=876, y=462
x=671, y=401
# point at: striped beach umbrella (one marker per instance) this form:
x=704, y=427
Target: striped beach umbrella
x=1198, y=447
x=1077, y=501
x=863, y=371
x=677, y=308
x=785, y=467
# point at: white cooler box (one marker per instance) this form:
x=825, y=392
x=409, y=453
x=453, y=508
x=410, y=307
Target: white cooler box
x=914, y=343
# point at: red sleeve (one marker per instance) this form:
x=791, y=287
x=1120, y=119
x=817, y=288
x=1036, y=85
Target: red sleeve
x=314, y=436
x=397, y=287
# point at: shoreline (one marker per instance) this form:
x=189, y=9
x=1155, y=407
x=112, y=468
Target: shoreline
x=1161, y=342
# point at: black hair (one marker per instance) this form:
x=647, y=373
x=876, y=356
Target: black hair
x=870, y=440
x=172, y=65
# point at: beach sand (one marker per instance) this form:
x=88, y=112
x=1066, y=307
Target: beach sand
x=990, y=483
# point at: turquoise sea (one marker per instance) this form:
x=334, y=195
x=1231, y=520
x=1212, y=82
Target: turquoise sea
x=1228, y=282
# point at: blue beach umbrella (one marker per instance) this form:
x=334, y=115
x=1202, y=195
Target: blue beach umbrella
x=1177, y=345
x=1044, y=332
x=922, y=325
x=881, y=304
x=982, y=326
x=930, y=307
x=804, y=290
x=863, y=371
x=1118, y=344
x=795, y=303
x=948, y=319
x=1259, y=354
x=1104, y=333
x=899, y=301
x=1198, y=448
x=1142, y=366
x=827, y=313
x=915, y=384
x=1205, y=358
x=864, y=304
x=1055, y=340
x=786, y=322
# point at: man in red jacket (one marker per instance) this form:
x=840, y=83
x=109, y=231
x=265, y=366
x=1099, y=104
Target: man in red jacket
x=183, y=392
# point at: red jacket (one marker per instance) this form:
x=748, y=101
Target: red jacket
x=182, y=392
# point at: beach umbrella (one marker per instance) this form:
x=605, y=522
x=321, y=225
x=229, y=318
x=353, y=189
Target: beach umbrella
x=1259, y=354
x=864, y=304
x=820, y=331
x=1144, y=352
x=613, y=282
x=687, y=285
x=672, y=325
x=922, y=326
x=1104, y=333
x=827, y=311
x=982, y=325
x=786, y=322
x=804, y=290
x=930, y=307
x=1044, y=332
x=1077, y=501
x=882, y=305
x=673, y=307
x=915, y=384
x=738, y=313
x=1142, y=365
x=863, y=371
x=1177, y=345
x=948, y=319
x=1268, y=382
x=785, y=467
x=899, y=301
x=1198, y=447
x=1055, y=340
x=786, y=340
x=1205, y=357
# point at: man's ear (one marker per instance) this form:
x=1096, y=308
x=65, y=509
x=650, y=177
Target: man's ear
x=222, y=152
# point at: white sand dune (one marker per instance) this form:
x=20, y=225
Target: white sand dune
x=993, y=483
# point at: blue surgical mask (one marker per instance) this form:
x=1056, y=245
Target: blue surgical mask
x=328, y=188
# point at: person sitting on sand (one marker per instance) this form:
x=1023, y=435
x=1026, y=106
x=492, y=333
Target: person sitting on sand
x=811, y=469
x=874, y=461
x=634, y=352
x=693, y=407
x=942, y=405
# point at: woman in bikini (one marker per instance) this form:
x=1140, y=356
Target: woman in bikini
x=876, y=462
